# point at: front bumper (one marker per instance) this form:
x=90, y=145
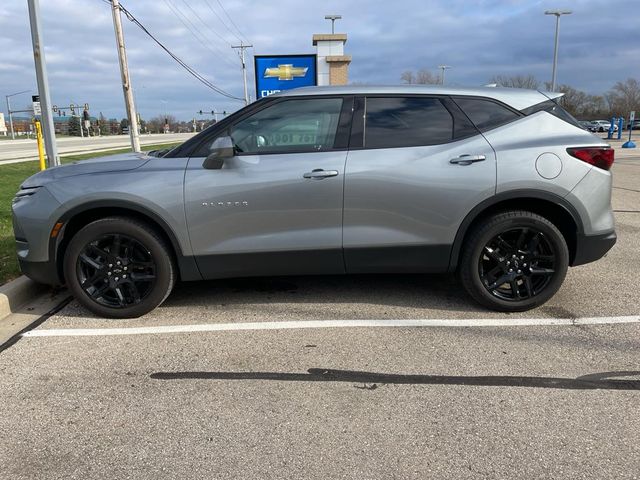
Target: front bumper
x=41, y=272
x=590, y=248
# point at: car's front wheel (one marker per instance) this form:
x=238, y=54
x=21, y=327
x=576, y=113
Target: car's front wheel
x=514, y=261
x=118, y=267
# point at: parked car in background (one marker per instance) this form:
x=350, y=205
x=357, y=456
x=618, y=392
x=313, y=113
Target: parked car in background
x=603, y=125
x=588, y=125
x=499, y=185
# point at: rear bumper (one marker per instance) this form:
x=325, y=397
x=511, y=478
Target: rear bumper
x=590, y=248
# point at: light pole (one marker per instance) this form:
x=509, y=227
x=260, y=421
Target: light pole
x=443, y=68
x=333, y=19
x=43, y=84
x=558, y=14
x=13, y=135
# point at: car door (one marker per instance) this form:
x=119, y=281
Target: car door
x=275, y=207
x=416, y=168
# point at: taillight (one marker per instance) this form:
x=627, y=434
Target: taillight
x=601, y=157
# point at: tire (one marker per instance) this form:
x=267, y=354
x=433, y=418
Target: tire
x=507, y=270
x=118, y=267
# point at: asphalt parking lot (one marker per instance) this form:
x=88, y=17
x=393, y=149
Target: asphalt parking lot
x=528, y=400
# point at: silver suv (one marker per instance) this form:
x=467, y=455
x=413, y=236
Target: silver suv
x=501, y=186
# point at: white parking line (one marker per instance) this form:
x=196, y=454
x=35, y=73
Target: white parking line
x=224, y=327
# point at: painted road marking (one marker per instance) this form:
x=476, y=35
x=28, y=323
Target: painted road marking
x=225, y=327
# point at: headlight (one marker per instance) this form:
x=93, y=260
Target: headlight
x=23, y=193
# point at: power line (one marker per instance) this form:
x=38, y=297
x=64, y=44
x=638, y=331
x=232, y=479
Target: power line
x=205, y=23
x=203, y=41
x=189, y=69
x=231, y=20
x=222, y=20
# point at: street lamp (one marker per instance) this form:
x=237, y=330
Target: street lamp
x=13, y=135
x=443, y=68
x=558, y=14
x=333, y=19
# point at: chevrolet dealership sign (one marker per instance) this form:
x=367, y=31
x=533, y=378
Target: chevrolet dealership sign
x=275, y=73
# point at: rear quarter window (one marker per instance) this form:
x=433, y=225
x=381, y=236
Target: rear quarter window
x=552, y=107
x=486, y=114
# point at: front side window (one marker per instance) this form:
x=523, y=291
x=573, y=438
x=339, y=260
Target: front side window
x=301, y=125
x=406, y=122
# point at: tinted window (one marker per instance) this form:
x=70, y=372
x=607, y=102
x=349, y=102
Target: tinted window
x=292, y=125
x=486, y=114
x=554, y=109
x=405, y=122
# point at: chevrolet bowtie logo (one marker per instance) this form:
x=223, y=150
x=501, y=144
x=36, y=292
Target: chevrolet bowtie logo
x=285, y=72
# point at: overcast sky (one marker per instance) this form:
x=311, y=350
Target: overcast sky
x=599, y=45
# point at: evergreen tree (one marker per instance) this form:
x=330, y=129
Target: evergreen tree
x=124, y=123
x=74, y=126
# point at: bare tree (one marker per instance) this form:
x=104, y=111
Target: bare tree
x=516, y=81
x=596, y=106
x=624, y=97
x=573, y=100
x=421, y=77
x=156, y=124
x=582, y=105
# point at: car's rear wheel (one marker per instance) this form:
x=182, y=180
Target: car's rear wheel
x=119, y=268
x=514, y=261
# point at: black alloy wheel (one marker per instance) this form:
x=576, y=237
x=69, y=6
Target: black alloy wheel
x=116, y=271
x=513, y=261
x=119, y=267
x=517, y=264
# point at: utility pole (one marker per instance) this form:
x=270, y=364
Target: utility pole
x=558, y=14
x=126, y=80
x=242, y=47
x=443, y=68
x=333, y=19
x=43, y=83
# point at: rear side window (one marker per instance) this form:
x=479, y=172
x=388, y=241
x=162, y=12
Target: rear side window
x=406, y=122
x=554, y=109
x=486, y=114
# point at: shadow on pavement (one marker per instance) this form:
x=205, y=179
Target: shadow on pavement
x=595, y=381
x=416, y=290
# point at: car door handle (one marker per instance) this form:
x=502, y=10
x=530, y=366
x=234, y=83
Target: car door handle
x=467, y=159
x=319, y=174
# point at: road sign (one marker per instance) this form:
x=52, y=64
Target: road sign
x=3, y=126
x=284, y=72
x=629, y=143
x=35, y=101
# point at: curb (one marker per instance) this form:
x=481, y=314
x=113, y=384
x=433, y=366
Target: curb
x=16, y=293
x=25, y=304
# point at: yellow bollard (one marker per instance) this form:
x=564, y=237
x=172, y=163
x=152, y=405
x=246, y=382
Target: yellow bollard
x=40, y=146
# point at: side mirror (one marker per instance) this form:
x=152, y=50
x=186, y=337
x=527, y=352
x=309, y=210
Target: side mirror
x=221, y=148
